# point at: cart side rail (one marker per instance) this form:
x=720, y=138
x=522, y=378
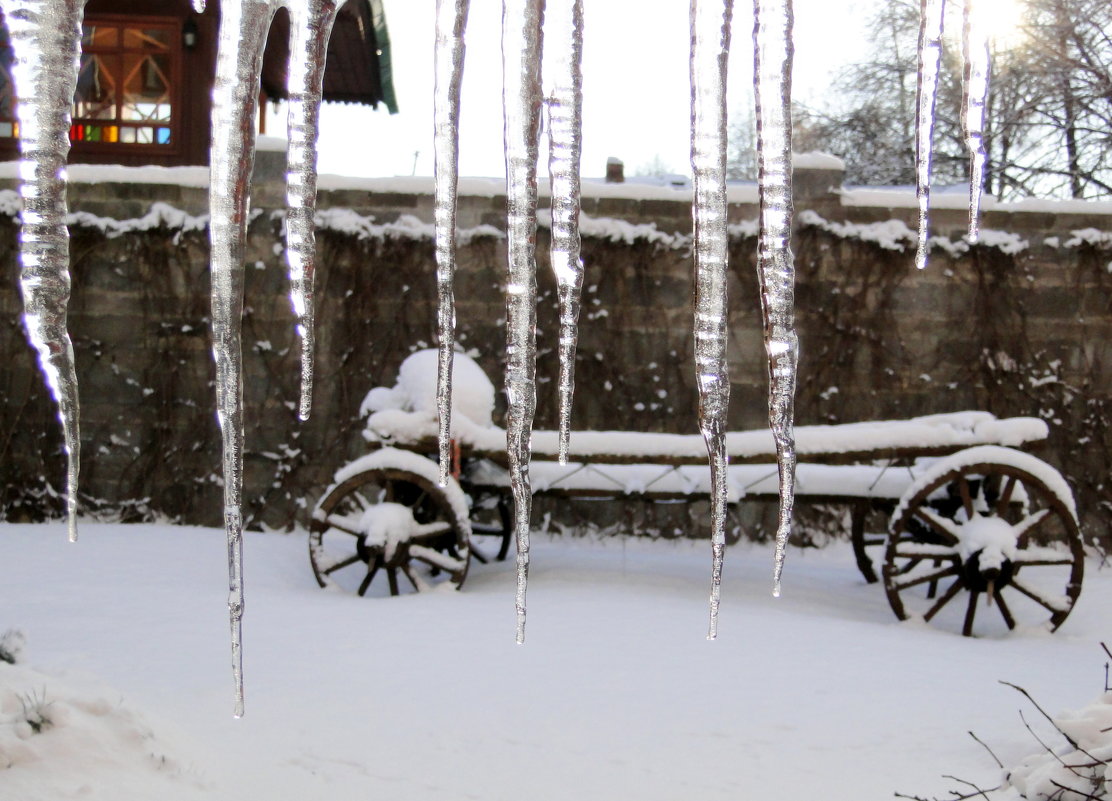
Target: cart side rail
x=932, y=435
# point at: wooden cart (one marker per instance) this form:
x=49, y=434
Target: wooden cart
x=983, y=537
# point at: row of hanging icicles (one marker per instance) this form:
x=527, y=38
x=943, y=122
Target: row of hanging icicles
x=46, y=36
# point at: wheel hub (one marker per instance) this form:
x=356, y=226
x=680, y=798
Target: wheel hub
x=987, y=547
x=977, y=579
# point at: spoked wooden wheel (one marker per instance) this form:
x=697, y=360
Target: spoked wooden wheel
x=985, y=542
x=385, y=529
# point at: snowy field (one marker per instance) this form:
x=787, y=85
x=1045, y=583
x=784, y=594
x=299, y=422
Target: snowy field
x=818, y=696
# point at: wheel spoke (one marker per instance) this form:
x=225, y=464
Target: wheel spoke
x=947, y=596
x=911, y=565
x=1005, y=496
x=367, y=579
x=434, y=529
x=434, y=558
x=970, y=613
x=966, y=498
x=922, y=550
x=949, y=571
x=343, y=524
x=942, y=525
x=417, y=503
x=1029, y=525
x=351, y=560
x=1005, y=612
x=1046, y=603
x=392, y=577
x=363, y=503
x=414, y=579
x=932, y=588
x=1036, y=557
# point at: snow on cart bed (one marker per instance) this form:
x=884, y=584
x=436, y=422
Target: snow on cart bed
x=406, y=415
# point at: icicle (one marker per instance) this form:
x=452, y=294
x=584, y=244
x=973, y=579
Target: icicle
x=46, y=38
x=931, y=13
x=451, y=21
x=199, y=6
x=521, y=97
x=975, y=84
x=310, y=26
x=565, y=107
x=243, y=27
x=772, y=37
x=710, y=50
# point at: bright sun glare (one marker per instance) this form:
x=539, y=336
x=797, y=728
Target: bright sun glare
x=1004, y=21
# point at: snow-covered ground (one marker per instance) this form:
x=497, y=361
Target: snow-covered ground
x=820, y=695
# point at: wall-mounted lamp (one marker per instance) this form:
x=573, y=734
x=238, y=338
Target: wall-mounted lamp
x=189, y=33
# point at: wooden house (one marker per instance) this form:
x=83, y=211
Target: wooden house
x=144, y=91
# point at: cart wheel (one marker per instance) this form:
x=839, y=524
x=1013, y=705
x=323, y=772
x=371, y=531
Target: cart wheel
x=989, y=530
x=491, y=516
x=391, y=524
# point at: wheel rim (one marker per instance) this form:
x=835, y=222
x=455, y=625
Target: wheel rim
x=984, y=549
x=386, y=531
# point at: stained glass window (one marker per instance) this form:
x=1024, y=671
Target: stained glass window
x=126, y=86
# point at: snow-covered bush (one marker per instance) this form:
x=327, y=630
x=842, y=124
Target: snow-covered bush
x=1079, y=767
x=12, y=643
x=36, y=716
x=1073, y=763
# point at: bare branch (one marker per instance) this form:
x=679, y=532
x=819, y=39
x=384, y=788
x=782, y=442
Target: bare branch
x=994, y=757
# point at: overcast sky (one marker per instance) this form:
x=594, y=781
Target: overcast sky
x=636, y=95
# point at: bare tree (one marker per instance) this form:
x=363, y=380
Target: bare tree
x=1049, y=127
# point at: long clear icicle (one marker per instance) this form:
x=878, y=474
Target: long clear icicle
x=451, y=22
x=564, y=34
x=46, y=39
x=772, y=39
x=310, y=27
x=522, y=21
x=243, y=27
x=975, y=37
x=931, y=13
x=710, y=50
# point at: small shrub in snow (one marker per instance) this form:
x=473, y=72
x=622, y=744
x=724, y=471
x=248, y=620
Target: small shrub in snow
x=12, y=643
x=1074, y=764
x=36, y=715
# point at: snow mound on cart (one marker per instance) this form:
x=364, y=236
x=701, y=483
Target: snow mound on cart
x=472, y=392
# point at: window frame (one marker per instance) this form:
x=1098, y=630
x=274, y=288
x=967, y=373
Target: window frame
x=176, y=78
x=174, y=25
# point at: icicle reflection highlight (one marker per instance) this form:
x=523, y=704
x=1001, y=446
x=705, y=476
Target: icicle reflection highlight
x=310, y=27
x=451, y=22
x=565, y=113
x=521, y=97
x=772, y=38
x=710, y=51
x=975, y=36
x=46, y=40
x=931, y=14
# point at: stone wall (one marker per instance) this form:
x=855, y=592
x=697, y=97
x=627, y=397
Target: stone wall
x=1015, y=333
